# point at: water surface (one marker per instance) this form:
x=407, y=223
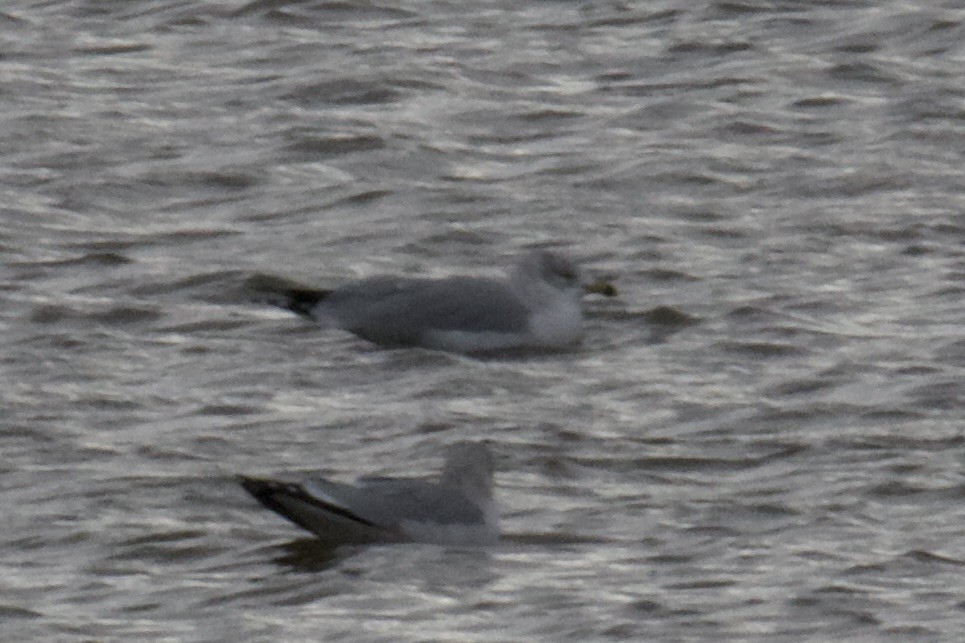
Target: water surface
x=762, y=438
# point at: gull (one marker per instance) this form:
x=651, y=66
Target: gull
x=538, y=304
x=457, y=508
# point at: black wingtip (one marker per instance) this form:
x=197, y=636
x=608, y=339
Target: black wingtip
x=285, y=293
x=254, y=486
x=270, y=493
x=302, y=301
x=264, y=490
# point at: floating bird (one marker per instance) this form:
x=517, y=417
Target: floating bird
x=457, y=508
x=537, y=305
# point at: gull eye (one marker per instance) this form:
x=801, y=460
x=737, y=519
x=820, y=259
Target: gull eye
x=567, y=274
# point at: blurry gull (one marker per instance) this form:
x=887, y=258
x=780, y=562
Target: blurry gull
x=537, y=305
x=457, y=508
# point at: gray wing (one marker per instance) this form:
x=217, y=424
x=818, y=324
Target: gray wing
x=398, y=311
x=387, y=502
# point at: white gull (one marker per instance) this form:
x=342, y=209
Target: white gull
x=537, y=305
x=456, y=508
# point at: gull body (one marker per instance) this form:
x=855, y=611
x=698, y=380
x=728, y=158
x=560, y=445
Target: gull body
x=456, y=508
x=537, y=305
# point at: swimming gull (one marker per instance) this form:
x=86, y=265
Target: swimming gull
x=457, y=508
x=537, y=305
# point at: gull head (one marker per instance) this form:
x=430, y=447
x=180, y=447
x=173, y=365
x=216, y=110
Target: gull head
x=547, y=271
x=551, y=268
x=541, y=274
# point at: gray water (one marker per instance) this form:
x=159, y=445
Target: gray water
x=760, y=439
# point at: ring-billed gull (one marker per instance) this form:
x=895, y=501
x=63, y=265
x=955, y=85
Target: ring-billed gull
x=537, y=305
x=457, y=508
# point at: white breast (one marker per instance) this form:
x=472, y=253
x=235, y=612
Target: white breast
x=557, y=325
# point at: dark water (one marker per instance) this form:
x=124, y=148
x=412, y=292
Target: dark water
x=762, y=438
